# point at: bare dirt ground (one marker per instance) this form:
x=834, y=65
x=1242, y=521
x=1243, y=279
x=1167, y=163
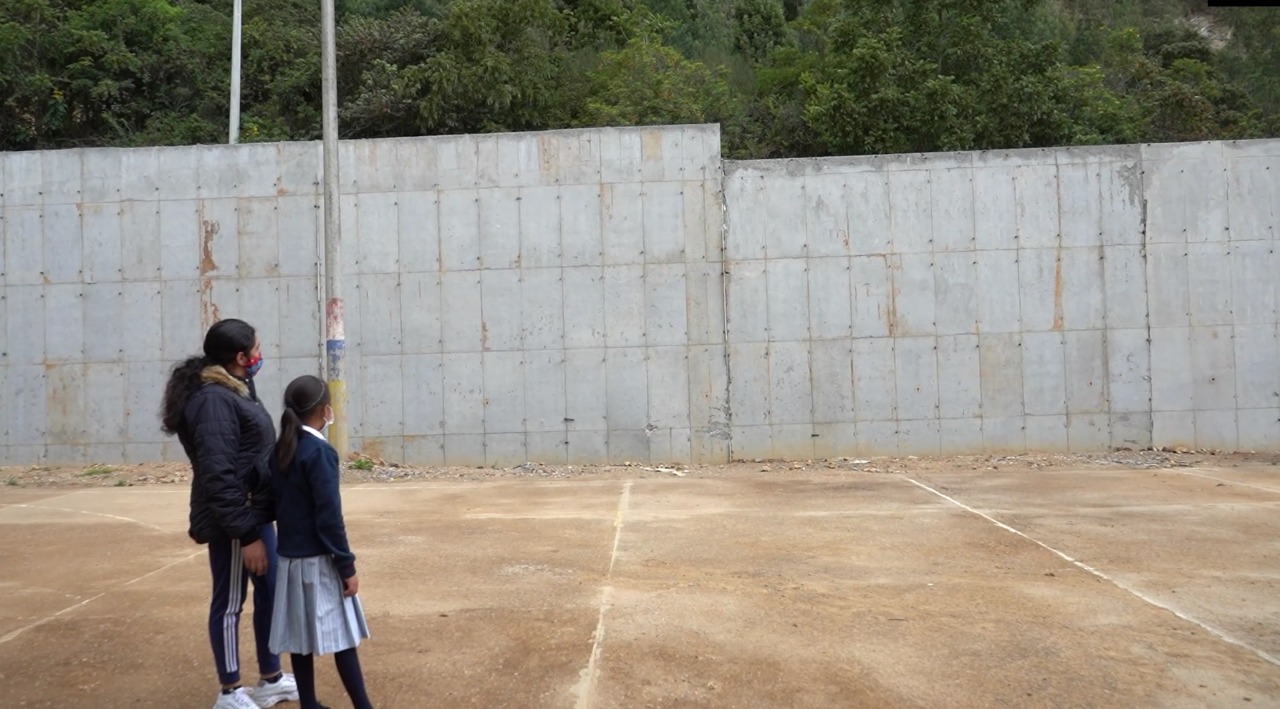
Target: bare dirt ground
x=1129, y=579
x=359, y=468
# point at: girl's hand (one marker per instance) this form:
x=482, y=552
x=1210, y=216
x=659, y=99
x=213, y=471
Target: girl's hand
x=350, y=586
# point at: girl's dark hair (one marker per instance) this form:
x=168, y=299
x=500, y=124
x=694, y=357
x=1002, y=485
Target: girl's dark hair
x=222, y=343
x=302, y=399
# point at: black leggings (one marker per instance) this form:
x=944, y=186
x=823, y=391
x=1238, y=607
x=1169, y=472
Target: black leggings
x=348, y=663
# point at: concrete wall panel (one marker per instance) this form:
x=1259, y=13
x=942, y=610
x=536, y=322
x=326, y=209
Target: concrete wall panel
x=668, y=378
x=956, y=289
x=378, y=234
x=994, y=209
x=959, y=379
x=423, y=396
x=179, y=322
x=911, y=211
x=1171, y=375
x=419, y=221
x=101, y=247
x=64, y=324
x=540, y=227
x=501, y=303
x=874, y=379
x=788, y=288
x=103, y=310
x=459, y=213
x=580, y=225
x=460, y=308
x=1036, y=186
x=421, y=318
x=830, y=298
x=626, y=379
x=952, y=209
x=1257, y=360
x=790, y=384
x=872, y=293
x=999, y=311
x=784, y=217
x=463, y=394
x=379, y=313
x=100, y=175
x=62, y=239
x=748, y=288
x=1255, y=291
x=1002, y=391
x=1039, y=279
x=545, y=391
x=913, y=305
x=624, y=306
x=298, y=223
x=749, y=387
x=831, y=367
x=584, y=307
x=543, y=309
x=586, y=391
x=24, y=256
x=1125, y=287
x=662, y=206
x=916, y=367
x=869, y=214
x=504, y=392
x=666, y=311
x=622, y=223
x=1209, y=283
x=827, y=224
x=1213, y=368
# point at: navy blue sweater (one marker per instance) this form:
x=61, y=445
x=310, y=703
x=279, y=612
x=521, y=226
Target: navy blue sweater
x=308, y=507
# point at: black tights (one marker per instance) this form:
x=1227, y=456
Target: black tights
x=348, y=663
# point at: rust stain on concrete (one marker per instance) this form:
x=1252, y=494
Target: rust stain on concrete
x=548, y=157
x=208, y=309
x=1057, y=292
x=651, y=145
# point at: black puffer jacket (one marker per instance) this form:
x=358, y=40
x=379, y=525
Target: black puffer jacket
x=227, y=434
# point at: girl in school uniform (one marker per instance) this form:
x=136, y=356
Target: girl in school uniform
x=317, y=611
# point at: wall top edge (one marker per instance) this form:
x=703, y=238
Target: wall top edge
x=703, y=128
x=1063, y=155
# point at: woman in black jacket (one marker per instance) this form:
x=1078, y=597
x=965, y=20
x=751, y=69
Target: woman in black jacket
x=211, y=404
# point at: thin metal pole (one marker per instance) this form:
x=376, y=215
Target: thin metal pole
x=235, y=74
x=335, y=334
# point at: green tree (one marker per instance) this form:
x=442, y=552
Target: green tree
x=649, y=83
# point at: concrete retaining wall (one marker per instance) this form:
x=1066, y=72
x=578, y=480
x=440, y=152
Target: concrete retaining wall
x=560, y=296
x=1054, y=300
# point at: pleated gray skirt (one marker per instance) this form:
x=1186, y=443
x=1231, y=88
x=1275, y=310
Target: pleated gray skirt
x=310, y=615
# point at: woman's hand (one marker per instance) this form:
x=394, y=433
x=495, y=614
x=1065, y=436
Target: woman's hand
x=255, y=557
x=350, y=586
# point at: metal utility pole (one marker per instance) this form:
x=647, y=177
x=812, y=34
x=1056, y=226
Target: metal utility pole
x=235, y=74
x=335, y=335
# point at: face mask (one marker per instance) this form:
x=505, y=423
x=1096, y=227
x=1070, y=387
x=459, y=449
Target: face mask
x=252, y=368
x=328, y=418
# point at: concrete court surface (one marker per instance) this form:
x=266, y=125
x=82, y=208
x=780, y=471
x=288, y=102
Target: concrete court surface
x=787, y=589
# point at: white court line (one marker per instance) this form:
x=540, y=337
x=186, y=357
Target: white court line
x=85, y=512
x=587, y=677
x=1220, y=634
x=1224, y=480
x=13, y=634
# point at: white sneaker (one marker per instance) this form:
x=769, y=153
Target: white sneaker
x=269, y=694
x=239, y=699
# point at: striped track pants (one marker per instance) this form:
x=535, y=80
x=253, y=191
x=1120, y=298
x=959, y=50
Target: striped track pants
x=230, y=582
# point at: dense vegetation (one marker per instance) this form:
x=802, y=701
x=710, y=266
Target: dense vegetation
x=783, y=77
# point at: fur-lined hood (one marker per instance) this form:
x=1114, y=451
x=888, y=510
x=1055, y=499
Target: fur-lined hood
x=217, y=375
